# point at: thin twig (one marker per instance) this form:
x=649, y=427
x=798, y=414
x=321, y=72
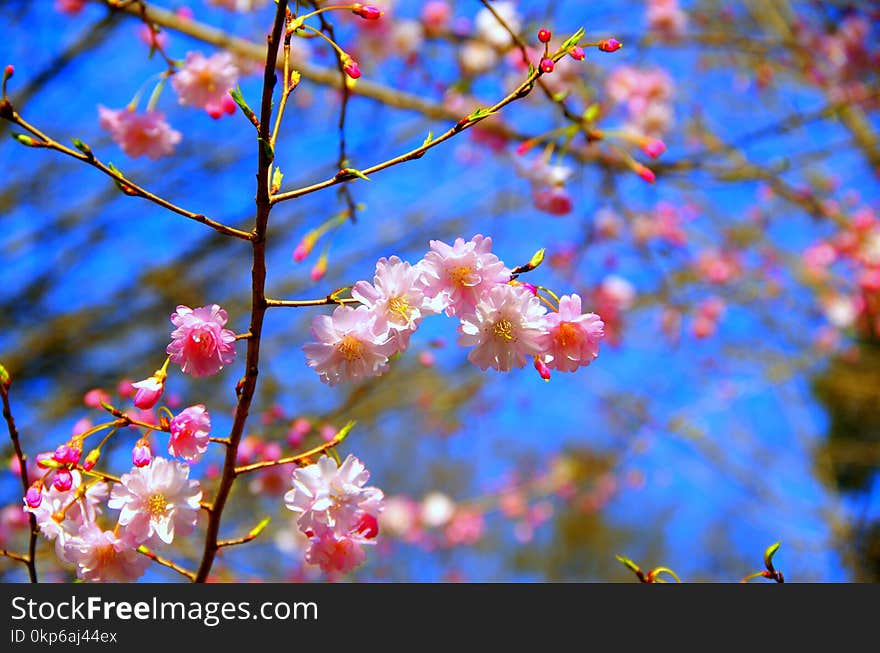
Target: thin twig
x=165, y=562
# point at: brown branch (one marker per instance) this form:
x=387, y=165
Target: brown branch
x=248, y=384
x=30, y=559
x=18, y=557
x=128, y=186
x=465, y=123
x=298, y=459
x=300, y=303
x=252, y=534
x=165, y=562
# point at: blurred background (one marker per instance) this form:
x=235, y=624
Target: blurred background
x=734, y=402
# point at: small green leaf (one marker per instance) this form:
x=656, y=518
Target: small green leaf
x=769, y=553
x=256, y=530
x=633, y=567
x=573, y=40
x=25, y=140
x=559, y=97
x=429, y=138
x=236, y=95
x=342, y=433
x=481, y=113
x=592, y=112
x=537, y=259
x=354, y=172
x=277, y=177
x=4, y=376
x=82, y=147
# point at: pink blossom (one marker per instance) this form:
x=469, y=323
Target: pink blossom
x=436, y=15
x=101, y=556
x=200, y=344
x=395, y=297
x=555, y=201
x=95, y=397
x=140, y=134
x=60, y=514
x=148, y=391
x=190, y=430
x=666, y=18
x=457, y=276
x=158, y=500
x=327, y=496
x=505, y=329
x=141, y=454
x=572, y=338
x=334, y=553
x=205, y=81
x=489, y=29
x=349, y=346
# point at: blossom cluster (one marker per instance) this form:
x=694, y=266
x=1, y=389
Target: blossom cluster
x=504, y=321
x=335, y=511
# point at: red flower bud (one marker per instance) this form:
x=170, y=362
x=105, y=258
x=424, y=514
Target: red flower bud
x=577, y=52
x=547, y=65
x=352, y=69
x=544, y=35
x=367, y=12
x=610, y=45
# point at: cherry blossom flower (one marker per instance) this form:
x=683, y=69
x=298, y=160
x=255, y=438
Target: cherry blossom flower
x=139, y=134
x=148, y=392
x=59, y=514
x=505, y=329
x=666, y=18
x=349, y=346
x=458, y=276
x=572, y=338
x=190, y=430
x=101, y=556
x=395, y=297
x=200, y=344
x=157, y=501
x=333, y=553
x=205, y=81
x=327, y=496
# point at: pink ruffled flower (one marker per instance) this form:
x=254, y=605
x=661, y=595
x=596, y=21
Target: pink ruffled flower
x=157, y=501
x=205, y=81
x=506, y=329
x=395, y=297
x=190, y=431
x=333, y=553
x=139, y=134
x=349, y=346
x=572, y=338
x=458, y=276
x=76, y=512
x=200, y=344
x=102, y=557
x=331, y=497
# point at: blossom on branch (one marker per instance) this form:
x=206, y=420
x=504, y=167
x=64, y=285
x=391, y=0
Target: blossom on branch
x=139, y=134
x=200, y=344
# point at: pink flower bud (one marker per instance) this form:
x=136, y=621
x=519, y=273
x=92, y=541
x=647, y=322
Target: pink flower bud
x=531, y=288
x=141, y=454
x=148, y=392
x=319, y=270
x=577, y=52
x=61, y=453
x=303, y=249
x=542, y=368
x=368, y=12
x=352, y=69
x=43, y=459
x=544, y=35
x=9, y=71
x=547, y=65
x=610, y=45
x=653, y=147
x=93, y=398
x=63, y=480
x=645, y=173
x=34, y=495
x=368, y=526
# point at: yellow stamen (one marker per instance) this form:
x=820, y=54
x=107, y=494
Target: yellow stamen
x=351, y=348
x=157, y=504
x=503, y=330
x=459, y=275
x=567, y=334
x=399, y=307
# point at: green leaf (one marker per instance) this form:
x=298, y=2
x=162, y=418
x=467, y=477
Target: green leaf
x=25, y=140
x=769, y=553
x=4, y=376
x=267, y=149
x=633, y=567
x=537, y=259
x=82, y=147
x=356, y=173
x=256, y=530
x=481, y=113
x=592, y=112
x=236, y=95
x=573, y=40
x=429, y=138
x=277, y=177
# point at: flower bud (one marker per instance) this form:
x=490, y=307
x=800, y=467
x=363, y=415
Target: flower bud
x=577, y=52
x=544, y=35
x=653, y=147
x=542, y=368
x=91, y=459
x=141, y=454
x=367, y=12
x=547, y=65
x=63, y=480
x=367, y=526
x=610, y=45
x=34, y=495
x=351, y=68
x=148, y=391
